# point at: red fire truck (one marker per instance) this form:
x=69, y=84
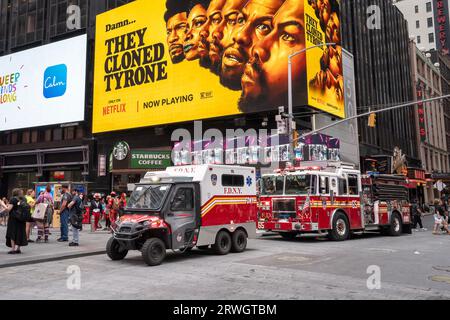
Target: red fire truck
x=333, y=199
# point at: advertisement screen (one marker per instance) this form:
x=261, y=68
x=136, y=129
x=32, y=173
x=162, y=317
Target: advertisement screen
x=43, y=86
x=159, y=62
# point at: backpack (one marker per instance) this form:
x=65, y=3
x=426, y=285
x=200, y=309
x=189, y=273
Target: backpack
x=23, y=211
x=50, y=209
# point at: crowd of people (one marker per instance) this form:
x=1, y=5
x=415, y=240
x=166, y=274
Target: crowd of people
x=24, y=212
x=440, y=211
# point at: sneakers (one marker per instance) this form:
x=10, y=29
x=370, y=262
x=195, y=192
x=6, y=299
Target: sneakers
x=423, y=229
x=62, y=240
x=73, y=244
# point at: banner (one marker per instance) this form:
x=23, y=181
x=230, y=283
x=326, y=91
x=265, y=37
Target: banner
x=159, y=62
x=442, y=26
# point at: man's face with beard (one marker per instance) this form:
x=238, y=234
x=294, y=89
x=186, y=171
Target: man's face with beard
x=265, y=79
x=176, y=31
x=254, y=23
x=194, y=44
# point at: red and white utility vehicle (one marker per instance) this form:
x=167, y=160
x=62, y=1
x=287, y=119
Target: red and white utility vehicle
x=333, y=199
x=188, y=206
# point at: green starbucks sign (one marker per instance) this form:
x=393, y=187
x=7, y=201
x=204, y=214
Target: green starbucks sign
x=143, y=159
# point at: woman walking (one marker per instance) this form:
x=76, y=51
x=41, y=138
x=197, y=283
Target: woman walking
x=43, y=225
x=16, y=235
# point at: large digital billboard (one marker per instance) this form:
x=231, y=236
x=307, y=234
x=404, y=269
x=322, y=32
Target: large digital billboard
x=159, y=62
x=43, y=86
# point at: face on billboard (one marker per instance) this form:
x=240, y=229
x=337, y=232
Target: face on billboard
x=266, y=75
x=176, y=32
x=253, y=24
x=195, y=45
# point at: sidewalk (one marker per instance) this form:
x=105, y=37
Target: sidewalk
x=90, y=244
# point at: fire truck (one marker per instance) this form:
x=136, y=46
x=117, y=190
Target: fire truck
x=186, y=207
x=333, y=200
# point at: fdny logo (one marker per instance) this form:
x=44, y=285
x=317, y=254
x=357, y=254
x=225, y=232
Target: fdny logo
x=232, y=190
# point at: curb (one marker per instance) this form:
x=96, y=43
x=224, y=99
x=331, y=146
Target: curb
x=51, y=259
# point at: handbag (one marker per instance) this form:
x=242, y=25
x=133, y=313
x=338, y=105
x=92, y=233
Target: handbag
x=39, y=211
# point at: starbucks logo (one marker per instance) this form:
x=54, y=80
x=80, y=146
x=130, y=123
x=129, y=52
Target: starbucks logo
x=121, y=150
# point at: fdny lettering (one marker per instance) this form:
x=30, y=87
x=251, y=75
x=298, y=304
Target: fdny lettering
x=185, y=170
x=117, y=108
x=232, y=190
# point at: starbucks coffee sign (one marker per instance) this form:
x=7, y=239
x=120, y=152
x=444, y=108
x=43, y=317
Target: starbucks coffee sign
x=121, y=150
x=143, y=159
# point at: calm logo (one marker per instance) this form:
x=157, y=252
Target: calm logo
x=55, y=81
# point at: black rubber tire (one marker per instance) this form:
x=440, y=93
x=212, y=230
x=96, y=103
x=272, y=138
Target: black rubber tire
x=238, y=241
x=112, y=250
x=337, y=233
x=288, y=235
x=222, y=245
x=153, y=251
x=203, y=247
x=395, y=225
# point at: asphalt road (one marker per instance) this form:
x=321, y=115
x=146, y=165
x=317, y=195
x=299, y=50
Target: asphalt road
x=411, y=267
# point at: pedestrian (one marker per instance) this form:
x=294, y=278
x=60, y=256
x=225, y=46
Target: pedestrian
x=19, y=215
x=3, y=212
x=44, y=224
x=108, y=207
x=122, y=204
x=76, y=217
x=440, y=218
x=417, y=213
x=114, y=208
x=30, y=197
x=97, y=210
x=64, y=213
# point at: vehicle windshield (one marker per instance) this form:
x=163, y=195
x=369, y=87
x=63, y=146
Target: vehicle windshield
x=148, y=197
x=300, y=184
x=272, y=185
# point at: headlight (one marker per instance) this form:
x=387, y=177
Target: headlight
x=145, y=223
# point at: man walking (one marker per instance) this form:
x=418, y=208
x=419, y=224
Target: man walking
x=66, y=198
x=76, y=217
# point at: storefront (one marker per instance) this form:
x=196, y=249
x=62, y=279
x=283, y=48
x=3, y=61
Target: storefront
x=417, y=185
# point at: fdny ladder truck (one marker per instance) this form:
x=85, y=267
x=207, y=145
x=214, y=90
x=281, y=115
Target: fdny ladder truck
x=333, y=199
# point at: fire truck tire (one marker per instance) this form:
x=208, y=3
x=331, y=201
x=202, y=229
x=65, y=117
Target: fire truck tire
x=238, y=241
x=153, y=251
x=288, y=235
x=222, y=245
x=407, y=228
x=113, y=250
x=395, y=227
x=340, y=229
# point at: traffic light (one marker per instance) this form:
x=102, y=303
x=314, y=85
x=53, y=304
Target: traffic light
x=372, y=120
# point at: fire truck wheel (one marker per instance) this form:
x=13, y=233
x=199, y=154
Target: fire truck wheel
x=223, y=243
x=238, y=241
x=340, y=227
x=153, y=251
x=395, y=227
x=113, y=250
x=288, y=235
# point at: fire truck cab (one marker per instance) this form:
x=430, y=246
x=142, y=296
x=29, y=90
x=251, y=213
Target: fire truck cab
x=187, y=206
x=331, y=200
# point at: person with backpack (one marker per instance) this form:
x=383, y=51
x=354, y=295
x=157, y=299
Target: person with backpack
x=66, y=198
x=19, y=215
x=76, y=208
x=43, y=225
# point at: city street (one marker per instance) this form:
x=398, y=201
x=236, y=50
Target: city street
x=412, y=267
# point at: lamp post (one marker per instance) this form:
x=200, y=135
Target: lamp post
x=290, y=89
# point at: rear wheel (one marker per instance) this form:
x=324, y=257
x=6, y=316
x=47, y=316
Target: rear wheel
x=153, y=251
x=114, y=251
x=222, y=245
x=238, y=241
x=340, y=228
x=288, y=235
x=395, y=227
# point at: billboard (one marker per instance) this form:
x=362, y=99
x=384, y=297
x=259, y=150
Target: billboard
x=159, y=62
x=43, y=86
x=442, y=25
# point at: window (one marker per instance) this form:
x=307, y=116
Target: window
x=429, y=7
x=416, y=8
x=430, y=22
x=183, y=200
x=231, y=180
x=342, y=186
x=431, y=37
x=417, y=24
x=324, y=186
x=419, y=39
x=353, y=185
x=301, y=184
x=272, y=185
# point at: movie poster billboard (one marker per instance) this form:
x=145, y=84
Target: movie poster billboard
x=159, y=62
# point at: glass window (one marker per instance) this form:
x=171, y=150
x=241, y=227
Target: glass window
x=301, y=184
x=429, y=7
x=231, y=180
x=417, y=24
x=416, y=8
x=353, y=184
x=148, y=197
x=419, y=40
x=183, y=200
x=342, y=186
x=431, y=37
x=272, y=185
x=324, y=186
x=430, y=22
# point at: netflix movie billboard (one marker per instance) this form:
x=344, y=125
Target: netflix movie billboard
x=159, y=62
